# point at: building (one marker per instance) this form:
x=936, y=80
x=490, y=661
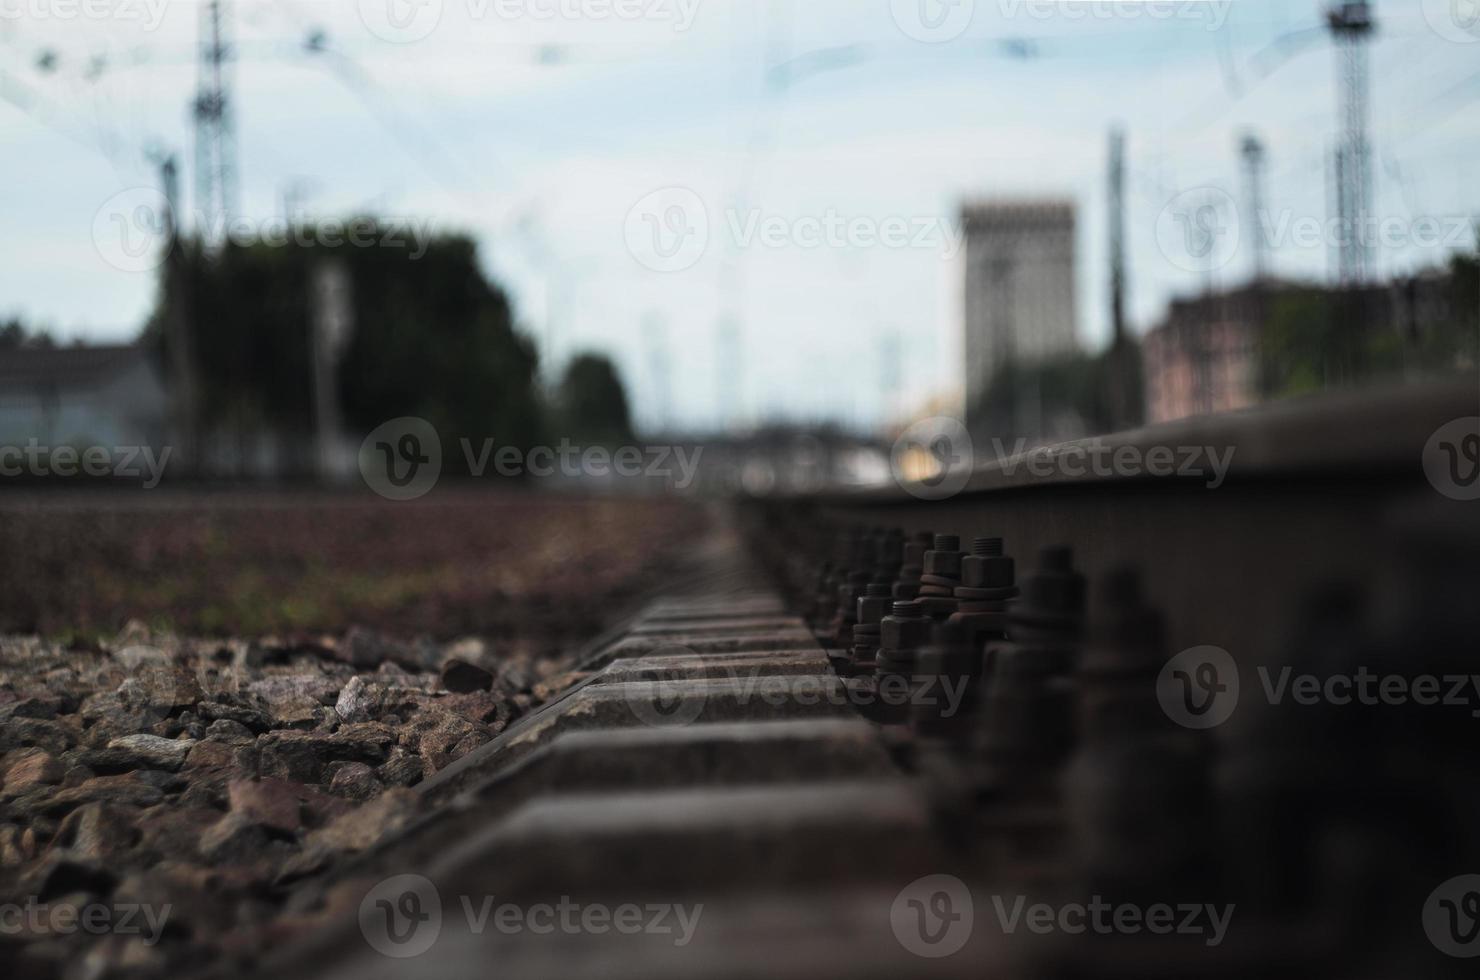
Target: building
x=1019, y=287
x=82, y=396
x=1202, y=359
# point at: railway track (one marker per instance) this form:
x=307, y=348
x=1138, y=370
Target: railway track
x=847, y=747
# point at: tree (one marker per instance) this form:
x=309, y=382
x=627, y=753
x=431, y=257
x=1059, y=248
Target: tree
x=15, y=336
x=432, y=338
x=593, y=402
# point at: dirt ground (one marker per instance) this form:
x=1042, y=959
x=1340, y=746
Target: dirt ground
x=509, y=566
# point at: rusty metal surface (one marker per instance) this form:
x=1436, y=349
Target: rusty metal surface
x=824, y=833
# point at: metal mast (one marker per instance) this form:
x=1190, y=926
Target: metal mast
x=215, y=136
x=1252, y=151
x=1352, y=25
x=1117, y=236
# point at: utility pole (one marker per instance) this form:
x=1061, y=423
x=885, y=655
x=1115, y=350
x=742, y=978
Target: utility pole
x=1352, y=24
x=215, y=131
x=177, y=320
x=1252, y=153
x=656, y=336
x=1123, y=396
x=333, y=324
x=1117, y=236
x=728, y=371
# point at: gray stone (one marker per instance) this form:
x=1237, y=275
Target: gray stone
x=152, y=752
x=461, y=677
x=302, y=756
x=355, y=781
x=29, y=768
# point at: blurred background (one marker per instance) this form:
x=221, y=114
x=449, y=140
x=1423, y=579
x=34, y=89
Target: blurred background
x=246, y=235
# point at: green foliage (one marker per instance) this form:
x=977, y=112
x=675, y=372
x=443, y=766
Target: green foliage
x=592, y=402
x=1316, y=338
x=1035, y=400
x=432, y=338
x=15, y=336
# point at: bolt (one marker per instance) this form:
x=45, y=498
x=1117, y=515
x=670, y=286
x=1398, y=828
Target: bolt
x=988, y=586
x=901, y=633
x=1027, y=725
x=1124, y=654
x=912, y=565
x=942, y=575
x=842, y=626
x=947, y=668
x=873, y=606
x=1136, y=791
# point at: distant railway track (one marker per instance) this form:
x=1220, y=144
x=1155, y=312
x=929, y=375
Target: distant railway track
x=982, y=769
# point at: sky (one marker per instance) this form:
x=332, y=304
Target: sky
x=751, y=205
